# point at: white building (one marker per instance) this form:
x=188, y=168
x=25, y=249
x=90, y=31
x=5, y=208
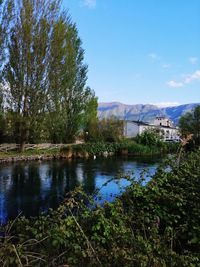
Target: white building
x=161, y=125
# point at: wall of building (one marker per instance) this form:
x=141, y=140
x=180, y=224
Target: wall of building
x=171, y=134
x=143, y=128
x=131, y=129
x=162, y=121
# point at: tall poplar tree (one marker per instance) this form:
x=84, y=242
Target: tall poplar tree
x=44, y=73
x=26, y=70
x=6, y=8
x=68, y=93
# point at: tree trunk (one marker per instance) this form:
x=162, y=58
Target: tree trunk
x=23, y=136
x=21, y=146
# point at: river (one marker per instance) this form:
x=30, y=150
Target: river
x=29, y=188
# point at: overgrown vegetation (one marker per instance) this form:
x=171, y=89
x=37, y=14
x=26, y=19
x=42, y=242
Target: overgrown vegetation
x=150, y=138
x=30, y=152
x=123, y=147
x=154, y=225
x=105, y=130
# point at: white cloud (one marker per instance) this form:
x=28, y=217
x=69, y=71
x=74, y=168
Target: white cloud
x=193, y=77
x=90, y=3
x=154, y=56
x=175, y=84
x=166, y=104
x=189, y=78
x=193, y=60
x=166, y=66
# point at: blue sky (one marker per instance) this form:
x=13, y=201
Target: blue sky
x=141, y=51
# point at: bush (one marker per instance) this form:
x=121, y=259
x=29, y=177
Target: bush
x=150, y=138
x=154, y=225
x=106, y=130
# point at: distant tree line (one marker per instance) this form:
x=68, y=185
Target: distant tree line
x=43, y=91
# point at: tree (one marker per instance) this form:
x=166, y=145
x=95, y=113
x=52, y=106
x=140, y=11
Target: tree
x=43, y=73
x=6, y=8
x=150, y=138
x=90, y=119
x=68, y=94
x=106, y=130
x=5, y=18
x=190, y=124
x=25, y=72
x=2, y=119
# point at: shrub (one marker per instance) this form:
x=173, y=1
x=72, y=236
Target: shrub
x=154, y=225
x=150, y=138
x=105, y=130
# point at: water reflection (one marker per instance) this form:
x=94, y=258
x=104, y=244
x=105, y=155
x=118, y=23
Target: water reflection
x=33, y=187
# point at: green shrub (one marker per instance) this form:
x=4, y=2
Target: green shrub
x=154, y=225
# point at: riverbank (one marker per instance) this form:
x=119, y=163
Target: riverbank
x=152, y=225
x=29, y=155
x=87, y=150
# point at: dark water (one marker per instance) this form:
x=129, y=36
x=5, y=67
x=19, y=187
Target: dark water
x=33, y=187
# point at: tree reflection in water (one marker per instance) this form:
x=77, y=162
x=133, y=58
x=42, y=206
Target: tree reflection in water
x=30, y=188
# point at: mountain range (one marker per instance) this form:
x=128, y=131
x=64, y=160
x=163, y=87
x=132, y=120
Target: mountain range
x=146, y=113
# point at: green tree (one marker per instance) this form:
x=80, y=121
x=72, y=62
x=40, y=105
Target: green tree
x=68, y=94
x=150, y=138
x=2, y=119
x=5, y=18
x=6, y=7
x=190, y=124
x=44, y=75
x=90, y=118
x=106, y=130
x=26, y=69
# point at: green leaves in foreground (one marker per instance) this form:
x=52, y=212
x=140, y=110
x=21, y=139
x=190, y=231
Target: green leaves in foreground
x=153, y=225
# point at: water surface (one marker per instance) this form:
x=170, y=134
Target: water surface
x=29, y=188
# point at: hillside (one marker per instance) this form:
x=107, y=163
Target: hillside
x=142, y=112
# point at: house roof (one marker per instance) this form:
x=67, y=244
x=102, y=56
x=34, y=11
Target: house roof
x=151, y=125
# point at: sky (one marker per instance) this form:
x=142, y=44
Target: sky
x=140, y=51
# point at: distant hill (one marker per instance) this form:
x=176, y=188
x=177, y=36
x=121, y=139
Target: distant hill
x=141, y=112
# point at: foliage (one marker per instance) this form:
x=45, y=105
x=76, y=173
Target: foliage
x=154, y=225
x=2, y=128
x=44, y=75
x=90, y=117
x=105, y=130
x=153, y=141
x=6, y=7
x=190, y=124
x=2, y=119
x=85, y=150
x=123, y=147
x=92, y=149
x=150, y=138
x=68, y=94
x=24, y=72
x=99, y=148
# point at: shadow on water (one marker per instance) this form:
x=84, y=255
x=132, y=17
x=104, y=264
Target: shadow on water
x=30, y=188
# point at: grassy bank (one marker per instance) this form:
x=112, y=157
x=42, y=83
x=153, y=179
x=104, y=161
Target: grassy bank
x=30, y=152
x=29, y=155
x=155, y=225
x=125, y=147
